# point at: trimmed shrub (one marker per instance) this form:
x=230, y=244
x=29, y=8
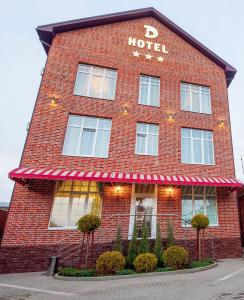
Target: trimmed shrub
x=118, y=244
x=144, y=243
x=88, y=223
x=158, y=248
x=110, y=262
x=175, y=257
x=132, y=249
x=146, y=262
x=200, y=221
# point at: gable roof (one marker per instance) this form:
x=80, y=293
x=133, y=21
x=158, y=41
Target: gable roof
x=47, y=32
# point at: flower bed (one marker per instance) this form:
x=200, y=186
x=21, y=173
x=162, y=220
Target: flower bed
x=73, y=272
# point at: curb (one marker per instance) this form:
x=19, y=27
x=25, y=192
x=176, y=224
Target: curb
x=115, y=277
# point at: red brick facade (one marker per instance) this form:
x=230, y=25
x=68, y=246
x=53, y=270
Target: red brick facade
x=107, y=46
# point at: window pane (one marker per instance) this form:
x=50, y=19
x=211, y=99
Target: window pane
x=197, y=151
x=207, y=134
x=77, y=209
x=185, y=132
x=87, y=141
x=81, y=84
x=195, y=102
x=75, y=120
x=208, y=152
x=59, y=212
x=199, y=205
x=84, y=68
x=94, y=204
x=197, y=134
x=211, y=210
x=154, y=95
x=109, y=88
x=198, y=190
x=210, y=190
x=90, y=122
x=141, y=128
x=104, y=124
x=80, y=186
x=152, y=144
x=186, y=150
x=143, y=98
x=96, y=86
x=141, y=143
x=206, y=106
x=187, y=211
x=102, y=143
x=144, y=79
x=153, y=129
x=185, y=100
x=71, y=141
x=143, y=214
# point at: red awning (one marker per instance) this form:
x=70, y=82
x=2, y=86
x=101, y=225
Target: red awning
x=22, y=173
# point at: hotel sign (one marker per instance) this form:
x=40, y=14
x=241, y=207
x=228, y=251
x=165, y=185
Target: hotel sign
x=150, y=33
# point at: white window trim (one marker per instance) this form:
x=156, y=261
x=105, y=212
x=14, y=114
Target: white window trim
x=200, y=98
x=82, y=127
x=146, y=134
x=134, y=195
x=90, y=75
x=149, y=90
x=204, y=206
x=202, y=147
x=72, y=227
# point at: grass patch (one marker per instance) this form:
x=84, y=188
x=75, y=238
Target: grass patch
x=73, y=272
x=201, y=263
x=164, y=269
x=126, y=272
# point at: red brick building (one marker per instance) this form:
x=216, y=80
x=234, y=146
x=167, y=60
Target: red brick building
x=131, y=123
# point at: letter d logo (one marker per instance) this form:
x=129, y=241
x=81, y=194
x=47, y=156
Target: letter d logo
x=151, y=32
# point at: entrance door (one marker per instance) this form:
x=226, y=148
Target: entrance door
x=143, y=209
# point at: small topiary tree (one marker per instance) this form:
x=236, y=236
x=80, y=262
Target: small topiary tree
x=118, y=244
x=170, y=235
x=146, y=262
x=132, y=249
x=158, y=247
x=87, y=226
x=175, y=257
x=144, y=243
x=200, y=222
x=110, y=262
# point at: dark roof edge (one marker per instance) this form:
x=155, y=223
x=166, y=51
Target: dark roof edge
x=47, y=32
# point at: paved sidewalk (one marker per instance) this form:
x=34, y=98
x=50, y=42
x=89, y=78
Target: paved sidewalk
x=222, y=283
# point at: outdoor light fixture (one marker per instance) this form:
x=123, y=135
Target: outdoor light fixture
x=125, y=110
x=221, y=123
x=53, y=104
x=118, y=188
x=53, y=100
x=170, y=117
x=170, y=191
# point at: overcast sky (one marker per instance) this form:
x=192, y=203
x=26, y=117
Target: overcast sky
x=218, y=24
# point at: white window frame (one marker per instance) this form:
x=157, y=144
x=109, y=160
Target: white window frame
x=200, y=97
x=82, y=127
x=193, y=195
x=87, y=193
x=134, y=195
x=149, y=90
x=146, y=134
x=91, y=74
x=202, y=146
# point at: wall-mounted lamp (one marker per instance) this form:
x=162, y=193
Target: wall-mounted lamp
x=53, y=100
x=125, y=110
x=170, y=191
x=170, y=117
x=118, y=188
x=221, y=123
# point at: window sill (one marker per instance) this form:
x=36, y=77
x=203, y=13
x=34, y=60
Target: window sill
x=157, y=106
x=154, y=155
x=61, y=228
x=210, y=226
x=197, y=112
x=94, y=98
x=86, y=156
x=198, y=164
